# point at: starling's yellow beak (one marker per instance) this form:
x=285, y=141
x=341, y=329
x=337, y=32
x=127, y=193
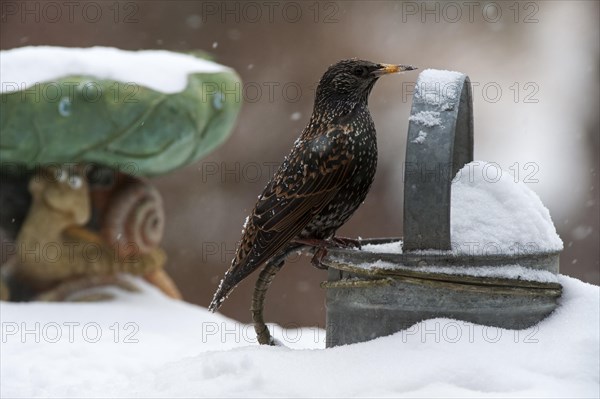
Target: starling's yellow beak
x=391, y=68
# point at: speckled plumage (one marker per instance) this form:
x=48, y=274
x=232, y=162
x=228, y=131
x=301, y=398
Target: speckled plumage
x=323, y=180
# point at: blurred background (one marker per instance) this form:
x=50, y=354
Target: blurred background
x=534, y=68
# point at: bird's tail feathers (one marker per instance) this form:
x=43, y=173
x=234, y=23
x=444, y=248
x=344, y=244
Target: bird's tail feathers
x=238, y=271
x=225, y=287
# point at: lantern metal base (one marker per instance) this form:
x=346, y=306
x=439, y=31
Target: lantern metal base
x=365, y=303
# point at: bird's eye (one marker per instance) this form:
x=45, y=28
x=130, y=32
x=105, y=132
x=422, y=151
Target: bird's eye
x=360, y=71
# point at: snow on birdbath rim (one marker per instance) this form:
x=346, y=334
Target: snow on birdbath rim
x=160, y=70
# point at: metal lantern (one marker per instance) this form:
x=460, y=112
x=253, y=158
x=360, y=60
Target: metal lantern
x=364, y=302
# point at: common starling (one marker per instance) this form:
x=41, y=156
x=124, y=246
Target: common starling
x=323, y=180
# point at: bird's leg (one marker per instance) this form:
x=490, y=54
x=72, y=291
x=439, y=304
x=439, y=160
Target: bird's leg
x=346, y=242
x=320, y=249
x=320, y=253
x=321, y=246
x=258, y=300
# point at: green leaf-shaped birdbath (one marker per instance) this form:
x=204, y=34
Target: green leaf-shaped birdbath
x=134, y=113
x=157, y=110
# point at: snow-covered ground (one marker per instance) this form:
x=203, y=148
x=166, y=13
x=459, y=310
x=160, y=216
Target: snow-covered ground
x=146, y=345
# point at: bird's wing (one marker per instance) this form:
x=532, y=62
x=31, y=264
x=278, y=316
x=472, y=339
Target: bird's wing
x=304, y=184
